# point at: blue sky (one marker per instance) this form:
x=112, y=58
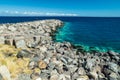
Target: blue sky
x=60, y=7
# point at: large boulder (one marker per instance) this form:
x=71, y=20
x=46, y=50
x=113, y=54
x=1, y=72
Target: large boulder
x=19, y=43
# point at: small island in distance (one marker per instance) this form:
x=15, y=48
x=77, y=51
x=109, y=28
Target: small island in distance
x=49, y=41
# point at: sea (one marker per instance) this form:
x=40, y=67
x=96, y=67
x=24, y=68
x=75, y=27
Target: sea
x=100, y=33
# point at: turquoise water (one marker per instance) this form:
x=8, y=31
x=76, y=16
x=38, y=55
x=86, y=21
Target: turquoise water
x=100, y=36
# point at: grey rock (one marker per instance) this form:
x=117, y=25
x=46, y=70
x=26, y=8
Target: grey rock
x=32, y=44
x=1, y=77
x=72, y=68
x=112, y=53
x=113, y=67
x=90, y=63
x=24, y=77
x=51, y=66
x=74, y=76
x=64, y=60
x=113, y=76
x=20, y=43
x=44, y=76
x=54, y=75
x=106, y=71
x=32, y=65
x=24, y=53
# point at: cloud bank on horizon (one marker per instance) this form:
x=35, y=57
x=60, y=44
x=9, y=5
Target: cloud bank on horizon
x=31, y=13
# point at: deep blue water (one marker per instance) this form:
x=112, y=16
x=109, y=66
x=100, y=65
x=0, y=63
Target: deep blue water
x=99, y=32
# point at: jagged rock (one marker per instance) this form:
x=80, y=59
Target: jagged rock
x=106, y=71
x=113, y=76
x=90, y=63
x=72, y=68
x=113, y=67
x=24, y=53
x=114, y=56
x=64, y=60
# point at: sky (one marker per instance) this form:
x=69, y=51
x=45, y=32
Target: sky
x=108, y=8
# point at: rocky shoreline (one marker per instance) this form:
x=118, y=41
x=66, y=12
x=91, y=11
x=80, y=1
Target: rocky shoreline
x=49, y=60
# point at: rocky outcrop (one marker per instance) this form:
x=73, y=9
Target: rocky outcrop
x=51, y=60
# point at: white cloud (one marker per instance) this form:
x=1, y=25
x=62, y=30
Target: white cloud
x=28, y=13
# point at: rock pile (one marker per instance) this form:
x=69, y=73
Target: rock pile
x=54, y=60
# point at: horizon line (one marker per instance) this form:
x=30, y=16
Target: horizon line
x=52, y=16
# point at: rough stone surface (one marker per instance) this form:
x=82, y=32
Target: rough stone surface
x=51, y=60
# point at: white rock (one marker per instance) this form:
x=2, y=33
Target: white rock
x=5, y=72
x=43, y=48
x=62, y=77
x=11, y=28
x=39, y=78
x=2, y=40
